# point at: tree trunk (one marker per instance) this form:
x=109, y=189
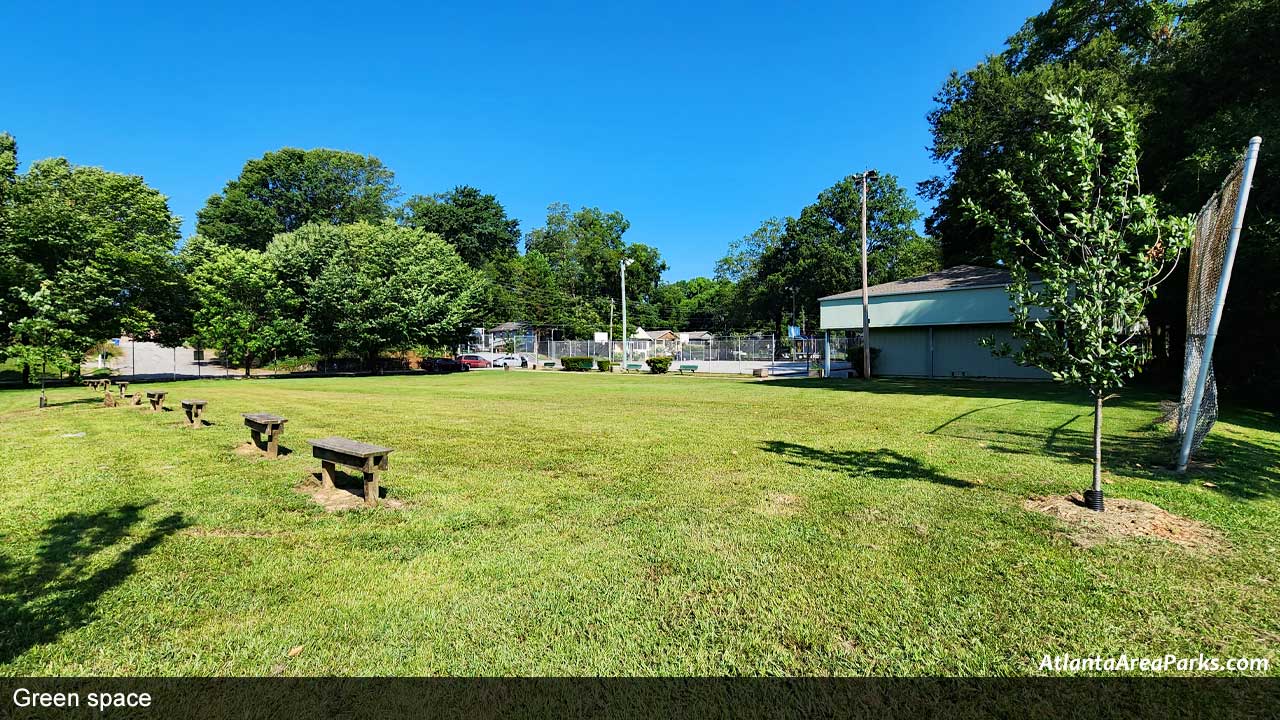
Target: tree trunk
x=248, y=366
x=26, y=374
x=1097, y=443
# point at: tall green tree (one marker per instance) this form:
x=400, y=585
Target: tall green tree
x=987, y=115
x=583, y=249
x=376, y=287
x=819, y=252
x=288, y=188
x=474, y=223
x=1085, y=250
x=242, y=309
x=103, y=244
x=44, y=338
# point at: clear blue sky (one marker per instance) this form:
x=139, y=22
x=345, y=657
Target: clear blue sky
x=695, y=122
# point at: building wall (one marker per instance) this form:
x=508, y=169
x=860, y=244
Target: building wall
x=955, y=352
x=973, y=306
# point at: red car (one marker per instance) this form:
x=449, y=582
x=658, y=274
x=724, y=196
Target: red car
x=473, y=361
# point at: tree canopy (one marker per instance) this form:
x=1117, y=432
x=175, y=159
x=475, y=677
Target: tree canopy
x=474, y=223
x=88, y=250
x=288, y=188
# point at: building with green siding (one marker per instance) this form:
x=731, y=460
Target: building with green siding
x=930, y=326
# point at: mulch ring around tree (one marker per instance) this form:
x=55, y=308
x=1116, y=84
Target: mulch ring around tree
x=1124, y=518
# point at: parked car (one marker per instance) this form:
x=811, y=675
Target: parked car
x=443, y=365
x=511, y=360
x=474, y=361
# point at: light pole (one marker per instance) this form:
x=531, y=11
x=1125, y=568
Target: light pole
x=866, y=314
x=622, y=269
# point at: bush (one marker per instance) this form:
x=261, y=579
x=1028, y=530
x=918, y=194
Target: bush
x=604, y=365
x=305, y=363
x=658, y=365
x=577, y=364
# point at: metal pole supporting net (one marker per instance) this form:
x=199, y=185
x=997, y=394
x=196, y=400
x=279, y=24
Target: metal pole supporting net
x=1208, y=252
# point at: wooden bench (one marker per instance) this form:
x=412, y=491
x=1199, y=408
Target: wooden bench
x=366, y=458
x=633, y=366
x=99, y=385
x=687, y=368
x=137, y=397
x=194, y=409
x=123, y=385
x=156, y=398
x=265, y=424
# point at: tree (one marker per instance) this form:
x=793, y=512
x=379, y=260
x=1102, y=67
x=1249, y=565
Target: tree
x=43, y=337
x=582, y=250
x=371, y=288
x=288, y=188
x=1085, y=250
x=475, y=224
x=104, y=242
x=818, y=253
x=242, y=309
x=986, y=116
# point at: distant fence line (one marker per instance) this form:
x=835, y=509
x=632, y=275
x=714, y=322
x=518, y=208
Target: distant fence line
x=754, y=348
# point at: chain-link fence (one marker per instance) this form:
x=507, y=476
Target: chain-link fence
x=727, y=353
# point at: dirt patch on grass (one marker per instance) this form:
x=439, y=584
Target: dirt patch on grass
x=780, y=504
x=342, y=497
x=1124, y=518
x=225, y=533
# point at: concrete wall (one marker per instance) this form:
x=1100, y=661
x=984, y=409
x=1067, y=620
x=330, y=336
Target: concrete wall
x=145, y=359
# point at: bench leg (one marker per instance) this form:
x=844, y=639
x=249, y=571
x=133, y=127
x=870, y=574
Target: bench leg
x=273, y=445
x=326, y=474
x=191, y=417
x=196, y=421
x=371, y=489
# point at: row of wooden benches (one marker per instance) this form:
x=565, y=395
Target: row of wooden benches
x=266, y=429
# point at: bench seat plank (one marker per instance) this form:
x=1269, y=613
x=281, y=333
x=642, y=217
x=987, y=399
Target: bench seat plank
x=347, y=446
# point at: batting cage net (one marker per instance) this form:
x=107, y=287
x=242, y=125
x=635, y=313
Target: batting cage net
x=1213, y=229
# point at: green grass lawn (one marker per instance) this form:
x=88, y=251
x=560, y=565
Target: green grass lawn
x=558, y=523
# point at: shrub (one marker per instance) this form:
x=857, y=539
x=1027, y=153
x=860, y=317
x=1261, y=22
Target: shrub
x=604, y=365
x=577, y=364
x=305, y=363
x=658, y=365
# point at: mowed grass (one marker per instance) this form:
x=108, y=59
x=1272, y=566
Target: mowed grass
x=564, y=524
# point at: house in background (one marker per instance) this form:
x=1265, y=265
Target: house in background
x=930, y=326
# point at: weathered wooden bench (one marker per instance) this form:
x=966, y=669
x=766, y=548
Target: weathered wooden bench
x=137, y=397
x=366, y=458
x=99, y=385
x=687, y=368
x=194, y=409
x=123, y=385
x=156, y=398
x=265, y=424
x=633, y=366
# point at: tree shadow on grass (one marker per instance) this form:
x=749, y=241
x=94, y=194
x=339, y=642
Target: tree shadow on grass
x=81, y=557
x=1243, y=469
x=881, y=464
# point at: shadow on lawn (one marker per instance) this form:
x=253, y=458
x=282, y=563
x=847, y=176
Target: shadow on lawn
x=81, y=557
x=994, y=389
x=883, y=464
x=1243, y=469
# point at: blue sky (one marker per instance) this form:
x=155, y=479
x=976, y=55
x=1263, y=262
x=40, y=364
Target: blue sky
x=696, y=122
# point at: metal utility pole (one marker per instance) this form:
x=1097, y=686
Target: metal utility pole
x=610, y=343
x=622, y=268
x=866, y=314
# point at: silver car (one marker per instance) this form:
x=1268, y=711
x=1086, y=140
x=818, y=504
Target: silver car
x=518, y=361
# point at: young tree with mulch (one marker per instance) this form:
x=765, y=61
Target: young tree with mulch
x=1085, y=250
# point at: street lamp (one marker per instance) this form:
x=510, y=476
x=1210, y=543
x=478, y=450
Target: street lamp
x=866, y=315
x=622, y=270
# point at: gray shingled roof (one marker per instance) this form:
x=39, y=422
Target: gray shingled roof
x=953, y=278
